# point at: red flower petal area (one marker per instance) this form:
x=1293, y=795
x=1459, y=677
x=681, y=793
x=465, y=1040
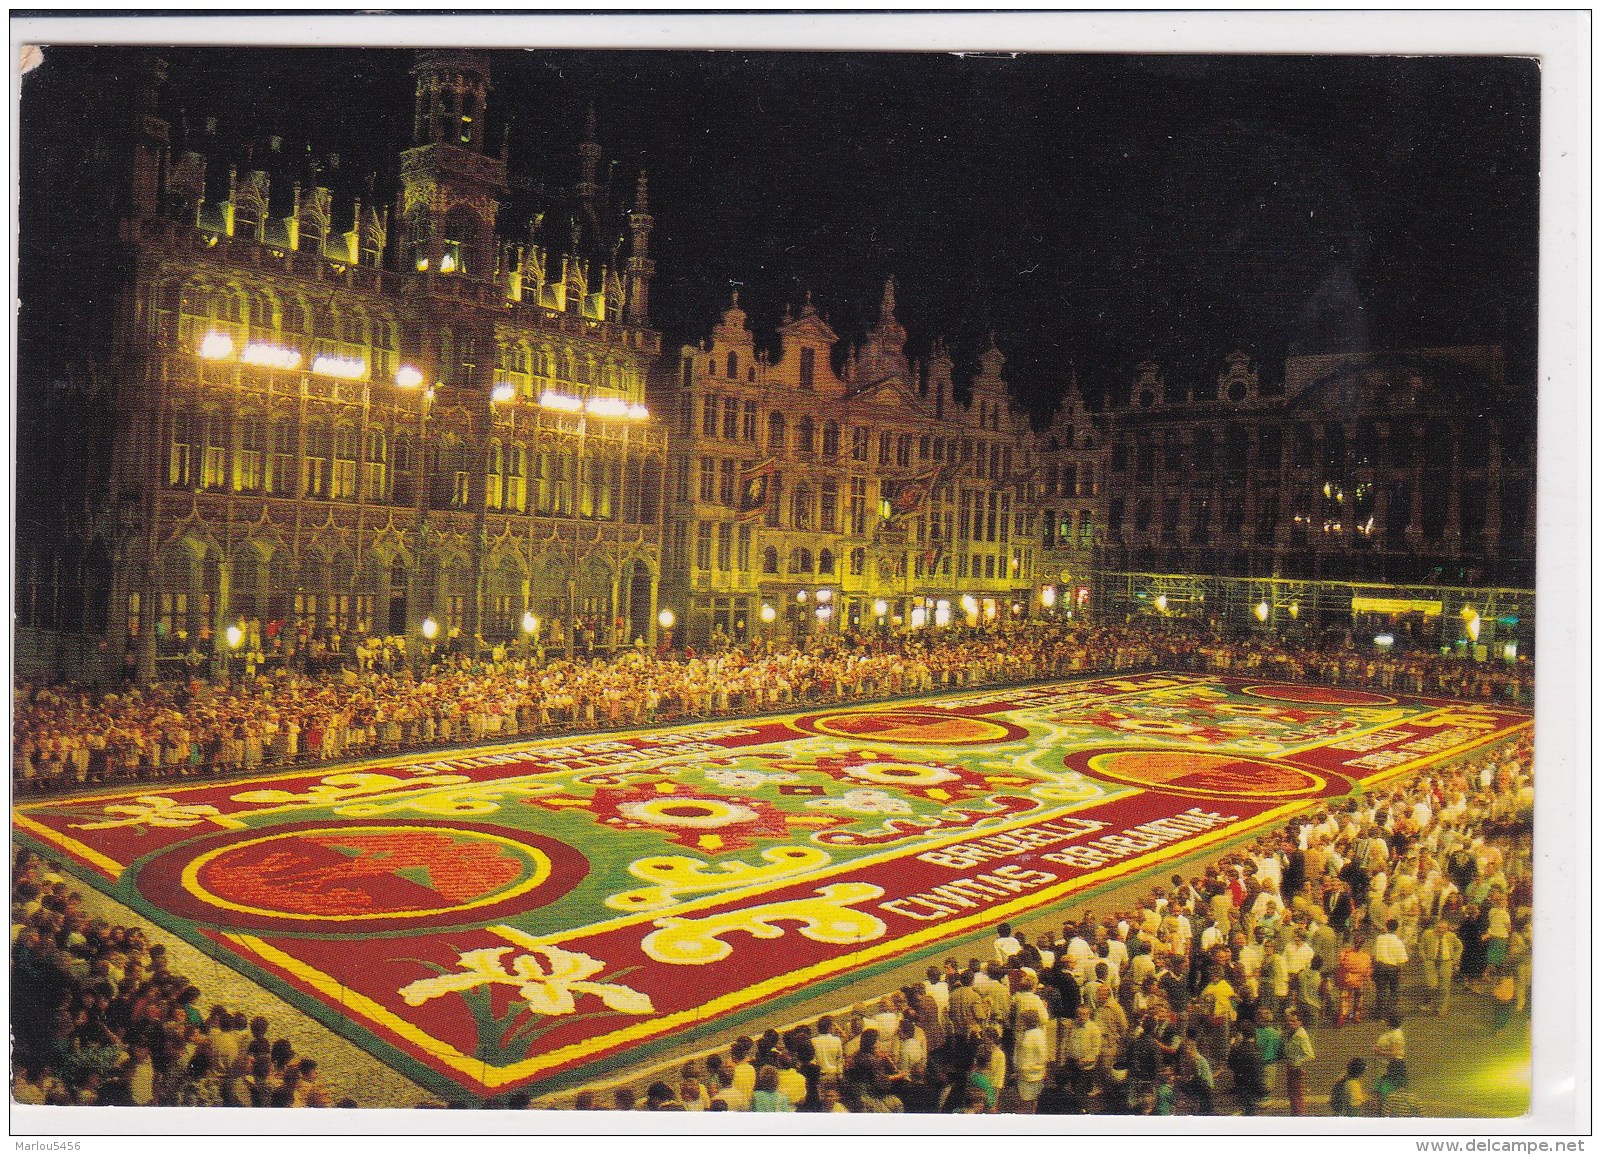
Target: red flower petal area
x=360, y=878
x=1319, y=695
x=912, y=727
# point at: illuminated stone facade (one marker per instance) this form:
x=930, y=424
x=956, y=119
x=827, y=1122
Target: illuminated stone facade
x=408, y=427
x=888, y=504
x=1355, y=476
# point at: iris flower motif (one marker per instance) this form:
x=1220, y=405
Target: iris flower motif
x=548, y=986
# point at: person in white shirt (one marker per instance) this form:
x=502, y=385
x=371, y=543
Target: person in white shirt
x=1298, y=955
x=1269, y=870
x=827, y=1049
x=888, y=1019
x=1006, y=944
x=1079, y=953
x=1116, y=951
x=1389, y=956
x=1030, y=1057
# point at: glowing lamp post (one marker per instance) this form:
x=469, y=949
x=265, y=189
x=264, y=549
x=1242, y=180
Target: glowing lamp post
x=530, y=626
x=236, y=637
x=430, y=632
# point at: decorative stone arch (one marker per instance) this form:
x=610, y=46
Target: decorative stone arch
x=250, y=199
x=281, y=580
x=299, y=318
x=637, y=593
x=505, y=594
x=190, y=593
x=312, y=587
x=350, y=323
x=249, y=580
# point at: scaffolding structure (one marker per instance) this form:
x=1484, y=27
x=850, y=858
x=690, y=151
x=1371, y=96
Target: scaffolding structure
x=1474, y=622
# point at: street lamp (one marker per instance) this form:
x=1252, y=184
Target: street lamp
x=235, y=636
x=530, y=629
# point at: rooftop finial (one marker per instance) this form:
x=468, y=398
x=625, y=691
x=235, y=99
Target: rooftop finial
x=887, y=308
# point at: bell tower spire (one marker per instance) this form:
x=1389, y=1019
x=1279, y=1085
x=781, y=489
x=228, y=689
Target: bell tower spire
x=450, y=187
x=640, y=266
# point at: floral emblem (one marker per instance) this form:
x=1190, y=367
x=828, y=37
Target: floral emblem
x=153, y=810
x=864, y=802
x=744, y=779
x=548, y=979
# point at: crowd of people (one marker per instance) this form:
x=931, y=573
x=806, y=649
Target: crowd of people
x=1213, y=995
x=66, y=736
x=98, y=1017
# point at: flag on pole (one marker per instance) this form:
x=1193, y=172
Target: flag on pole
x=905, y=496
x=755, y=489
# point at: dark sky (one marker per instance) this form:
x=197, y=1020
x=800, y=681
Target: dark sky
x=1091, y=209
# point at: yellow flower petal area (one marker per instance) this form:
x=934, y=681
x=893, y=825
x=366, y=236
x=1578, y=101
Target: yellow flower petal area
x=1068, y=791
x=546, y=977
x=917, y=775
x=1154, y=726
x=468, y=800
x=336, y=788
x=688, y=813
x=151, y=810
x=1251, y=708
x=676, y=875
x=827, y=918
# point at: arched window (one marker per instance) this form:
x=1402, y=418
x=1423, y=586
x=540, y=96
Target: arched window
x=775, y=433
x=183, y=460
x=825, y=561
x=496, y=475
x=733, y=365
x=251, y=463
x=830, y=439
x=215, y=472
x=402, y=491
x=375, y=485
x=803, y=436
x=801, y=508
x=516, y=478
x=770, y=560
x=282, y=473
x=800, y=561
x=319, y=459
x=346, y=445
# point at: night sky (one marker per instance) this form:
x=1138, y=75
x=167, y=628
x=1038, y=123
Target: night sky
x=1090, y=209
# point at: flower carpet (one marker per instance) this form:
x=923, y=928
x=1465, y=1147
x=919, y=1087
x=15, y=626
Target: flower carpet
x=533, y=914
